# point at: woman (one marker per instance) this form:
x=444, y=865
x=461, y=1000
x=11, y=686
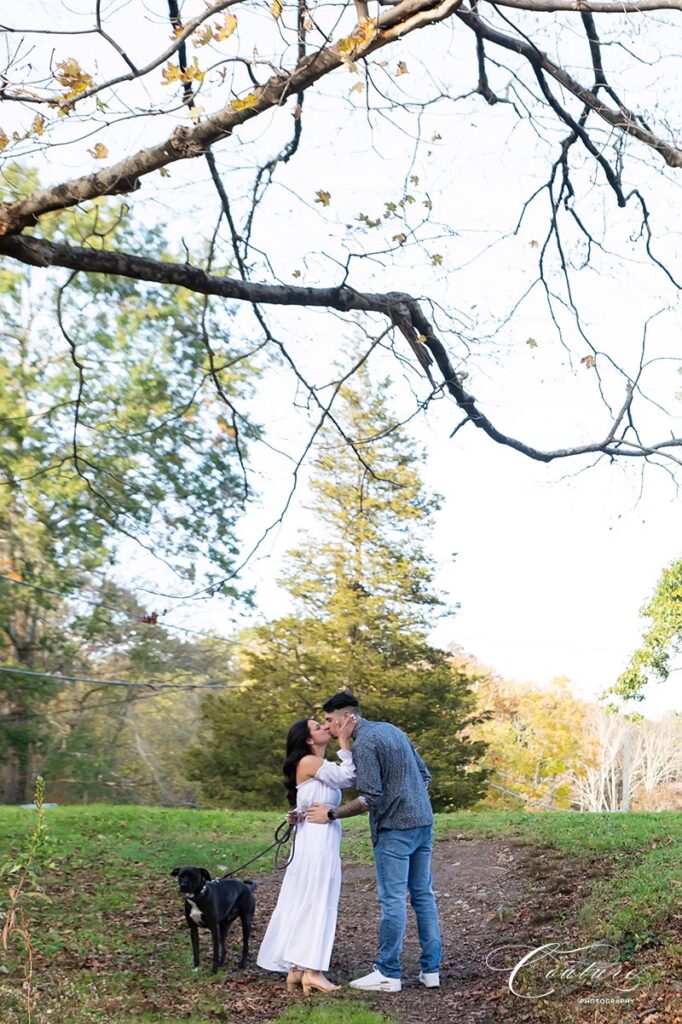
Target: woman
x=300, y=935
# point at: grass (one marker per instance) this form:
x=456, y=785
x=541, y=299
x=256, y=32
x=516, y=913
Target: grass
x=104, y=866
x=641, y=885
x=341, y=1011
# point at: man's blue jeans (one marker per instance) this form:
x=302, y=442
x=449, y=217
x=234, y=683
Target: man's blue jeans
x=402, y=860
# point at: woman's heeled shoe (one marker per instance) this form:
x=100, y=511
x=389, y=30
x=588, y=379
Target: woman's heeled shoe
x=312, y=985
x=294, y=979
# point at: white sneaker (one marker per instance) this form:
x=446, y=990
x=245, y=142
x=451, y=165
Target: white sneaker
x=431, y=980
x=377, y=982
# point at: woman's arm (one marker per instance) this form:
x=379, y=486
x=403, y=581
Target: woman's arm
x=307, y=767
x=346, y=731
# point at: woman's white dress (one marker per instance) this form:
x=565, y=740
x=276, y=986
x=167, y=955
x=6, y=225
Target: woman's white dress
x=302, y=928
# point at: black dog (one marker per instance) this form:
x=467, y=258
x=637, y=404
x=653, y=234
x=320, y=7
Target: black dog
x=215, y=905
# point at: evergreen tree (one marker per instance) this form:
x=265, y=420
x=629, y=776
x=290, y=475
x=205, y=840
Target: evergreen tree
x=364, y=597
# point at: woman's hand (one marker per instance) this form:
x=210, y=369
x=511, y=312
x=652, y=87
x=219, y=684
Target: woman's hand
x=295, y=817
x=346, y=731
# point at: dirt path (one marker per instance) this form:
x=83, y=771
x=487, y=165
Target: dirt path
x=491, y=893
x=485, y=899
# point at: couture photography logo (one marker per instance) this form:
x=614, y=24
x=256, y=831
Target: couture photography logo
x=553, y=969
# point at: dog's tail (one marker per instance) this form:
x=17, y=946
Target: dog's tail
x=251, y=884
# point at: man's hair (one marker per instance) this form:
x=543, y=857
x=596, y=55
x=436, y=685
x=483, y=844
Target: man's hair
x=341, y=700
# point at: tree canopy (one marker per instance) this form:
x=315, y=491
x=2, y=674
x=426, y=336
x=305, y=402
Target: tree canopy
x=214, y=119
x=657, y=655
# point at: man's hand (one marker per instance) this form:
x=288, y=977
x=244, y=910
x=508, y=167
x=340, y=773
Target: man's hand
x=317, y=813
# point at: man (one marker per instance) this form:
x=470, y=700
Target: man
x=391, y=780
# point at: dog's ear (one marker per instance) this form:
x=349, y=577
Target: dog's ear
x=205, y=874
x=175, y=872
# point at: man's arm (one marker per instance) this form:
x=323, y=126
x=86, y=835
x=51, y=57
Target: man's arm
x=318, y=814
x=423, y=770
x=367, y=782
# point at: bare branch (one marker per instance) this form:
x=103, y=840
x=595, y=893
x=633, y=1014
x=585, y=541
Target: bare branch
x=393, y=305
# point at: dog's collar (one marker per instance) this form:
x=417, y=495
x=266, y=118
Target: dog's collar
x=197, y=895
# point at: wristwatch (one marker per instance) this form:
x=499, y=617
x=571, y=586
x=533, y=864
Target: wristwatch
x=330, y=814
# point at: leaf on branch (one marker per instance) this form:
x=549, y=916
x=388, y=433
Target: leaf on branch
x=358, y=87
x=436, y=259
x=202, y=35
x=38, y=126
x=246, y=103
x=173, y=73
x=588, y=362
x=414, y=179
x=7, y=569
x=4, y=140
x=227, y=28
x=400, y=238
x=70, y=74
x=363, y=34
x=296, y=273
x=402, y=69
x=535, y=244
x=99, y=151
x=164, y=172
x=276, y=9
x=226, y=427
x=436, y=137
x=365, y=31
x=323, y=197
x=531, y=343
x=420, y=339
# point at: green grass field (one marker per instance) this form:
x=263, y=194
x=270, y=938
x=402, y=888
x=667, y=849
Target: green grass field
x=99, y=864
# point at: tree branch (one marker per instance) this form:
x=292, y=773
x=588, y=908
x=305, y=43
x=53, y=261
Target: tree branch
x=393, y=305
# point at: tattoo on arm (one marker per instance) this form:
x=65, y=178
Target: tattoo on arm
x=353, y=807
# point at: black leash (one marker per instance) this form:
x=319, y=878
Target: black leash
x=281, y=839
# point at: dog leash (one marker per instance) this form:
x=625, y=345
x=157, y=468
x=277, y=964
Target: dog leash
x=282, y=835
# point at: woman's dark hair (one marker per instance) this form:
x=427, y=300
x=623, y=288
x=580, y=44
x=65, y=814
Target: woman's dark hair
x=297, y=747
